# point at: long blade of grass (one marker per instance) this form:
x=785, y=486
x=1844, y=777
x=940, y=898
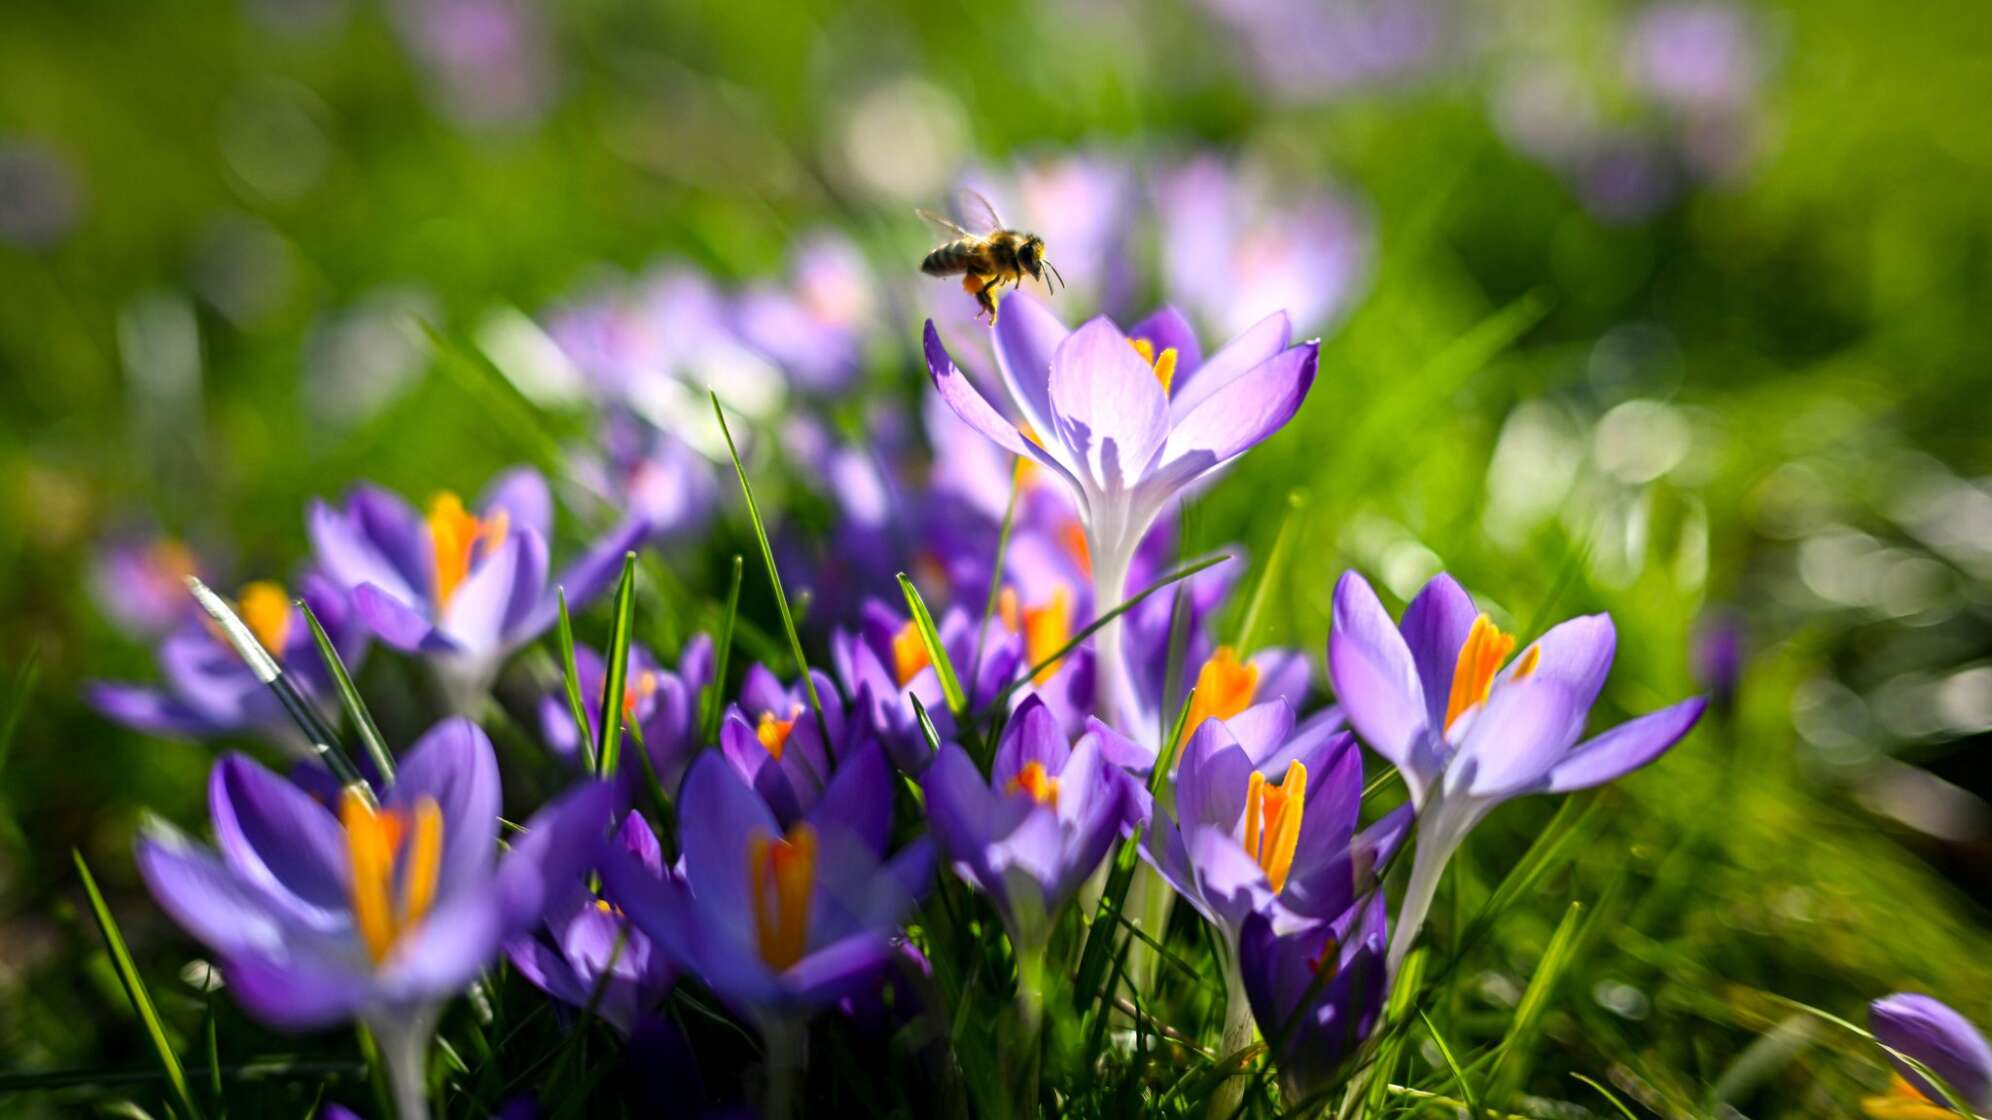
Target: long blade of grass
x=923, y=624
x=714, y=700
x=17, y=702
x=349, y=696
x=1255, y=607
x=570, y=677
x=1459, y=1075
x=135, y=990
x=1517, y=1048
x=774, y=573
x=1608, y=1095
x=618, y=668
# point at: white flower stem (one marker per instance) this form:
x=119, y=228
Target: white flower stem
x=1110, y=564
x=1438, y=838
x=1238, y=1032
x=787, y=1043
x=404, y=1049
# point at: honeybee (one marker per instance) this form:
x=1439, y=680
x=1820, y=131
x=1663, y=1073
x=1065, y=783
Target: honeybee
x=985, y=254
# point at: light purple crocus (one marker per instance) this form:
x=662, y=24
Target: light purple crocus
x=1031, y=833
x=139, y=581
x=586, y=946
x=1931, y=1032
x=663, y=704
x=813, y=325
x=1317, y=1021
x=1431, y=696
x=323, y=915
x=651, y=475
x=1126, y=430
x=778, y=922
x=462, y=589
x=209, y=692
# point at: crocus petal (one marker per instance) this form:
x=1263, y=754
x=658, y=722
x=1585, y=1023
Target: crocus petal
x=1167, y=329
x=1376, y=682
x=275, y=835
x=1033, y=735
x=1258, y=343
x=1435, y=627
x=1513, y=740
x=206, y=898
x=475, y=617
x=398, y=624
x=720, y=817
x=1255, y=405
x=442, y=955
x=1940, y=1038
x=838, y=970
x=298, y=993
x=977, y=413
x=1577, y=653
x=1026, y=335
x=350, y=557
x=858, y=799
x=454, y=764
x=149, y=711
x=1108, y=408
x=522, y=493
x=1232, y=882
x=583, y=580
x=529, y=588
x=558, y=842
x=1212, y=780
x=1625, y=748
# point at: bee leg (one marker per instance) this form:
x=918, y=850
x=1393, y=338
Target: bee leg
x=987, y=298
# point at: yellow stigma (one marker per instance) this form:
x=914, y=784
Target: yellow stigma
x=781, y=873
x=909, y=654
x=1072, y=537
x=1225, y=687
x=1479, y=660
x=641, y=688
x=1272, y=821
x=1904, y=1101
x=774, y=733
x=266, y=611
x=1045, y=628
x=1164, y=365
x=455, y=532
x=373, y=840
x=1033, y=780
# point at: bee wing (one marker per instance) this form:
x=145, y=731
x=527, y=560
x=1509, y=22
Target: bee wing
x=943, y=224
x=975, y=212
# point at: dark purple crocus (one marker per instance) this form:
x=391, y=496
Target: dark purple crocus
x=586, y=946
x=772, y=740
x=1031, y=833
x=323, y=915
x=1314, y=1021
x=208, y=690
x=662, y=703
x=1919, y=1027
x=1124, y=427
x=884, y=664
x=1431, y=696
x=463, y=589
x=776, y=921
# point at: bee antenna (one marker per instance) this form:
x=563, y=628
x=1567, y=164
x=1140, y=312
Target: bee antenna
x=1054, y=272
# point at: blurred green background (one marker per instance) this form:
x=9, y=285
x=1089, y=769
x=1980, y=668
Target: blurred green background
x=1757, y=399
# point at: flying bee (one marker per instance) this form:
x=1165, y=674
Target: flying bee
x=985, y=254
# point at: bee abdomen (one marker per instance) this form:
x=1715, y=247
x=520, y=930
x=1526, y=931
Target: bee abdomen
x=948, y=259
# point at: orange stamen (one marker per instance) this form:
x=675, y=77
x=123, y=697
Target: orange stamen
x=1479, y=661
x=1164, y=364
x=266, y=610
x=1033, y=779
x=1904, y=1101
x=909, y=654
x=373, y=840
x=1046, y=630
x=1272, y=821
x=781, y=873
x=774, y=733
x=455, y=533
x=1225, y=687
x=1072, y=536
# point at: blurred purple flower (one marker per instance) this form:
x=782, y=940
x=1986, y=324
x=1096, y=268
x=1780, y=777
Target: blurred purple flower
x=651, y=475
x=1316, y=1022
x=1696, y=56
x=1430, y=696
x=1233, y=248
x=464, y=589
x=489, y=59
x=814, y=325
x=1308, y=49
x=1718, y=655
x=139, y=580
x=209, y=692
x=884, y=665
x=773, y=742
x=1943, y=1040
x=376, y=914
x=585, y=944
x=663, y=705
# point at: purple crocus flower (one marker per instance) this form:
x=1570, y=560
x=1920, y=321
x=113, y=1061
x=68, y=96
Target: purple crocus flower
x=1126, y=429
x=1234, y=250
x=1317, y=1022
x=1934, y=1034
x=1431, y=696
x=1695, y=57
x=209, y=692
x=653, y=476
x=381, y=914
x=1031, y=834
x=884, y=664
x=586, y=945
x=777, y=921
x=814, y=325
x=662, y=703
x=774, y=743
x=139, y=581
x=464, y=589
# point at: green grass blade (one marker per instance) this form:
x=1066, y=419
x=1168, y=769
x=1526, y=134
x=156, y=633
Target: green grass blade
x=1608, y=1095
x=774, y=573
x=618, y=667
x=714, y=699
x=349, y=696
x=995, y=596
x=1255, y=608
x=1459, y=1075
x=923, y=622
x=17, y=703
x=1516, y=1049
x=570, y=675
x=135, y=990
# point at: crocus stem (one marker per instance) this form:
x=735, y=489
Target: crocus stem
x=1023, y=1061
x=1437, y=839
x=1110, y=564
x=787, y=1043
x=1238, y=1029
x=404, y=1050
